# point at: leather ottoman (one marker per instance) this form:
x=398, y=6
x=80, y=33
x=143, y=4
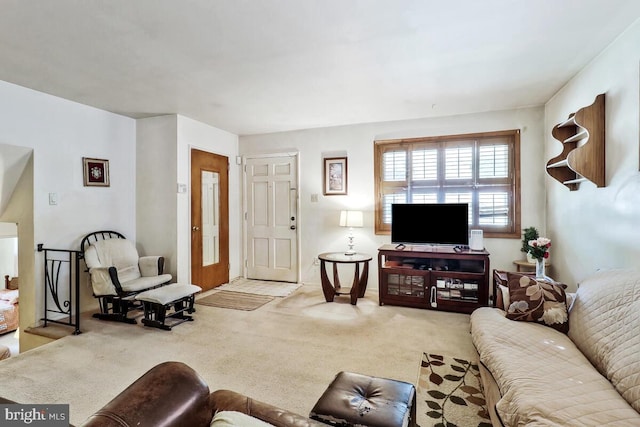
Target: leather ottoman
x=360, y=400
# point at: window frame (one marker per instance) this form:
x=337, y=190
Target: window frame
x=513, y=182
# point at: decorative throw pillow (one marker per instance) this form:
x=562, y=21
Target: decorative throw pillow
x=537, y=301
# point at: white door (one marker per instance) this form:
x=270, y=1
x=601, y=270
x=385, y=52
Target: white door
x=272, y=218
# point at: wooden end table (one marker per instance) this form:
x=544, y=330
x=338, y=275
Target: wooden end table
x=359, y=285
x=523, y=265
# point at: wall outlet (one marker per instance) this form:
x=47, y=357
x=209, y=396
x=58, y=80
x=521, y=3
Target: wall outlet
x=316, y=261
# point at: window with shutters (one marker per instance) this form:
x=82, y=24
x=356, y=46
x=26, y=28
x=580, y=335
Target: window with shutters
x=479, y=169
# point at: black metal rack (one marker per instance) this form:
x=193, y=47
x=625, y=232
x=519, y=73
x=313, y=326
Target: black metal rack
x=61, y=264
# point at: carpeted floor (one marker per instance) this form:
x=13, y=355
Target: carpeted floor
x=234, y=300
x=284, y=353
x=260, y=287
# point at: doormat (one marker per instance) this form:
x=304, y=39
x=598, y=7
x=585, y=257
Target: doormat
x=449, y=393
x=234, y=300
x=260, y=287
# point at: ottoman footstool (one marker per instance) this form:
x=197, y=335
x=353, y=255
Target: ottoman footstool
x=360, y=400
x=157, y=303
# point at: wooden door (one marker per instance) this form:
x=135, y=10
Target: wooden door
x=209, y=219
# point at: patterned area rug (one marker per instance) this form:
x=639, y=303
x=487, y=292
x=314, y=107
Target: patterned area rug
x=260, y=287
x=234, y=300
x=449, y=393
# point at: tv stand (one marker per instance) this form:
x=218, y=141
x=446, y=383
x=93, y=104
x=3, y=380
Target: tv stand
x=434, y=277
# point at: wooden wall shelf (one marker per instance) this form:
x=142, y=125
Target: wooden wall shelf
x=583, y=155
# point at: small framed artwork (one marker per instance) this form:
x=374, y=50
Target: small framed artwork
x=335, y=176
x=95, y=172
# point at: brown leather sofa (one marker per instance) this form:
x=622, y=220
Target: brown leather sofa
x=172, y=394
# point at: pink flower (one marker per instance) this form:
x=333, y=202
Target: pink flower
x=539, y=247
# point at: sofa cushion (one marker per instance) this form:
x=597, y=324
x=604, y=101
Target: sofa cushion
x=537, y=301
x=543, y=378
x=605, y=320
x=233, y=418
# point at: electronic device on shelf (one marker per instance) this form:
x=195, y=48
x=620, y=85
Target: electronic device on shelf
x=476, y=242
x=430, y=224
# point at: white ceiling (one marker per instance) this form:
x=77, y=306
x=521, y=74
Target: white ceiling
x=272, y=65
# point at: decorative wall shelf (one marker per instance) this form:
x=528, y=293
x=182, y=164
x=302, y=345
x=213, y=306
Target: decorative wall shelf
x=583, y=153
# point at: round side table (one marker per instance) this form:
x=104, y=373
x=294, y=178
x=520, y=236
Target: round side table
x=359, y=285
x=523, y=265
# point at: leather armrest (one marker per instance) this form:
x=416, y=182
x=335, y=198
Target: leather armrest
x=227, y=400
x=170, y=394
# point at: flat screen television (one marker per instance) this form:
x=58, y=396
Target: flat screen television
x=430, y=223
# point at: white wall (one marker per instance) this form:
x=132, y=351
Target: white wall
x=318, y=222
x=194, y=134
x=156, y=213
x=595, y=228
x=164, y=215
x=60, y=133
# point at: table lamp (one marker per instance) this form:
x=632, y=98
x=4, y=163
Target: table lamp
x=351, y=219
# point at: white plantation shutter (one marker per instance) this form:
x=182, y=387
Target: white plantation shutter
x=493, y=161
x=475, y=169
x=458, y=162
x=390, y=199
x=395, y=165
x=494, y=208
x=424, y=164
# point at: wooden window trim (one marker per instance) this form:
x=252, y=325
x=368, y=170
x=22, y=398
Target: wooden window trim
x=380, y=146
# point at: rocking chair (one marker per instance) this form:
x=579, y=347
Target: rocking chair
x=118, y=273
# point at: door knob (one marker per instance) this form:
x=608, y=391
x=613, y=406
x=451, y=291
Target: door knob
x=195, y=228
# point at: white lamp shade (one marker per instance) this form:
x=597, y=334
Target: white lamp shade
x=351, y=219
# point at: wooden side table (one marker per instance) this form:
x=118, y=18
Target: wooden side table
x=359, y=285
x=524, y=265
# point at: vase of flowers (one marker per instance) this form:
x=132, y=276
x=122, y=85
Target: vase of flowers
x=540, y=252
x=528, y=234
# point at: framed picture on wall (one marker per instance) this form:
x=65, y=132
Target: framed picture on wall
x=95, y=172
x=335, y=176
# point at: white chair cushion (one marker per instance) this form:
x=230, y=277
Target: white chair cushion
x=118, y=253
x=142, y=283
x=169, y=293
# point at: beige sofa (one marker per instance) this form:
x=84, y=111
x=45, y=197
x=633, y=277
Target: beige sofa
x=535, y=375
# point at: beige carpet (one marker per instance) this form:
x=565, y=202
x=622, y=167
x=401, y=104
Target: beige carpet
x=284, y=353
x=449, y=393
x=234, y=300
